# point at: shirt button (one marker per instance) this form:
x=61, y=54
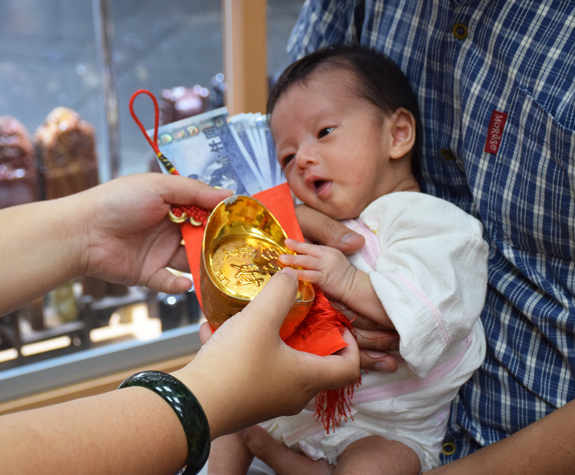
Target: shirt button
x=460, y=31
x=448, y=448
x=447, y=154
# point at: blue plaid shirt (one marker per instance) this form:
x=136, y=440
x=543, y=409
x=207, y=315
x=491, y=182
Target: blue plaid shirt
x=464, y=61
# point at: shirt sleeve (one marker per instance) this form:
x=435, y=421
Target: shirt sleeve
x=324, y=22
x=431, y=275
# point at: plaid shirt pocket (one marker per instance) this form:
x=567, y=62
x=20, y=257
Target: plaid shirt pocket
x=532, y=205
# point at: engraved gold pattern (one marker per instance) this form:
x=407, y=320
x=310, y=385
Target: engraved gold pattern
x=240, y=253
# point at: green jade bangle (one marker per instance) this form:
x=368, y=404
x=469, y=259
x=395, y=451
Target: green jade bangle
x=186, y=407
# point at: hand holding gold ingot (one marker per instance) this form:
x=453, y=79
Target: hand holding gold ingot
x=240, y=253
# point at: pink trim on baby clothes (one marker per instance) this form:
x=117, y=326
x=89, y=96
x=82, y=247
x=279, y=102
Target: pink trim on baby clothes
x=372, y=248
x=384, y=391
x=411, y=385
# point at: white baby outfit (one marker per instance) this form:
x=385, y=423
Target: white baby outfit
x=427, y=262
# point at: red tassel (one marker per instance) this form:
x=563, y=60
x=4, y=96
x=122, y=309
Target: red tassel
x=332, y=405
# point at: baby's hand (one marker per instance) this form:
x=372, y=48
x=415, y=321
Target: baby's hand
x=324, y=266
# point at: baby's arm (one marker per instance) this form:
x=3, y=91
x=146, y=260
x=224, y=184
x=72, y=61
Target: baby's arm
x=330, y=270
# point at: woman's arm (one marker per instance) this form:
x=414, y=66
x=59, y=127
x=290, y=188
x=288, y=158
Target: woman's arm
x=234, y=376
x=118, y=231
x=40, y=248
x=131, y=430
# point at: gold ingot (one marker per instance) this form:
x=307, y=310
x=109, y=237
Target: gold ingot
x=240, y=253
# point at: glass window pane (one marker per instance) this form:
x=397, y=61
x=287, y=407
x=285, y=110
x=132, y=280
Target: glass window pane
x=50, y=57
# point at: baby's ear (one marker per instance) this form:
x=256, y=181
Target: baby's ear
x=403, y=133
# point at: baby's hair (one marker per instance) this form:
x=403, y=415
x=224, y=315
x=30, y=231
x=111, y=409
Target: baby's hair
x=380, y=81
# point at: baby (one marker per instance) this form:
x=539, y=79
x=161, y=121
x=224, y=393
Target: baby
x=345, y=122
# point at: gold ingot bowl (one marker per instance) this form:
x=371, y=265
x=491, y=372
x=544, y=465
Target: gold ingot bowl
x=240, y=253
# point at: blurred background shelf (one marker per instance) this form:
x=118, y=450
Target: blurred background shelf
x=49, y=58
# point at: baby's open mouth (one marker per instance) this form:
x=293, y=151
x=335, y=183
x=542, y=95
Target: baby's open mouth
x=319, y=185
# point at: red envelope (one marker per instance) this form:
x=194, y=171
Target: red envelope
x=321, y=339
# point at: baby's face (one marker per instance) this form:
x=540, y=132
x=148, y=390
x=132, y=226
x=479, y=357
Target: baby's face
x=332, y=147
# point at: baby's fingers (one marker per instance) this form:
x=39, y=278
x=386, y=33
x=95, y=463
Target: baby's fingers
x=303, y=247
x=307, y=262
x=312, y=276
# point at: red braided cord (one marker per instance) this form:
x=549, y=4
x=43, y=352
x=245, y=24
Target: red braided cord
x=197, y=214
x=153, y=143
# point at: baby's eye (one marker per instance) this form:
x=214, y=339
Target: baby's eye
x=288, y=158
x=326, y=131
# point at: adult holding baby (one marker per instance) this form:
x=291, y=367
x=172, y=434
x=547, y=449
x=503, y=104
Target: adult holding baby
x=495, y=86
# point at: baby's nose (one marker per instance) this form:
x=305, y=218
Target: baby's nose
x=306, y=155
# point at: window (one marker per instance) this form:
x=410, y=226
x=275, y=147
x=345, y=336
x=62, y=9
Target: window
x=51, y=56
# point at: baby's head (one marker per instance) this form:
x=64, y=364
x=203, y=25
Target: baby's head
x=346, y=124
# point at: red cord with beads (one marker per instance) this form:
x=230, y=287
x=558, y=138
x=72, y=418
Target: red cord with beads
x=178, y=213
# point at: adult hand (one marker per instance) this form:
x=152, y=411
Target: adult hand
x=118, y=231
x=319, y=228
x=129, y=238
x=243, y=375
x=252, y=375
x=373, y=339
